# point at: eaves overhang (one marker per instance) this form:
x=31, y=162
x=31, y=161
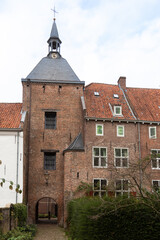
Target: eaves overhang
x=56, y=38
x=11, y=129
x=73, y=150
x=52, y=81
x=121, y=120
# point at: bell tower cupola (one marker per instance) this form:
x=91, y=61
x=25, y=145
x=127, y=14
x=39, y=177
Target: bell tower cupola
x=54, y=41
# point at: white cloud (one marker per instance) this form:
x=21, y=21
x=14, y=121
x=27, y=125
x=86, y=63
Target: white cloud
x=101, y=40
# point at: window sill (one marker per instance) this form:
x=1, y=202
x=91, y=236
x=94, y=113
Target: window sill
x=99, y=167
x=121, y=167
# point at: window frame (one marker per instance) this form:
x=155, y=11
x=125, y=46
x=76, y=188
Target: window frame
x=54, y=123
x=117, y=130
x=157, y=160
x=122, y=191
x=53, y=167
x=153, y=137
x=100, y=190
x=97, y=131
x=99, y=157
x=121, y=157
x=158, y=185
x=115, y=107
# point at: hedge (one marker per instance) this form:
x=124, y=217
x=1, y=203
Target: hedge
x=113, y=218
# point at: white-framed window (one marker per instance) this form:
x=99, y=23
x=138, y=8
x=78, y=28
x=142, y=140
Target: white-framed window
x=120, y=131
x=99, y=129
x=155, y=158
x=152, y=132
x=118, y=110
x=100, y=187
x=99, y=157
x=122, y=187
x=121, y=157
x=156, y=185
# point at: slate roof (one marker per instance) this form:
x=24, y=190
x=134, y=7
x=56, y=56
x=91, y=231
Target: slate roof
x=53, y=70
x=10, y=115
x=145, y=103
x=54, y=31
x=77, y=144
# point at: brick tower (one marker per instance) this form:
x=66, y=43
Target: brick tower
x=52, y=98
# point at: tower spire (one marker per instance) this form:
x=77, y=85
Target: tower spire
x=54, y=40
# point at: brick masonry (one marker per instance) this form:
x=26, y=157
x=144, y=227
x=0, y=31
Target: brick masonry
x=73, y=167
x=65, y=100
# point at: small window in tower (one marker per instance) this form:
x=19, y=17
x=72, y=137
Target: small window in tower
x=54, y=45
x=50, y=120
x=49, y=161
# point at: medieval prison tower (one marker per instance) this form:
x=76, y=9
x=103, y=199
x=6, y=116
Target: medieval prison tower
x=52, y=97
x=95, y=134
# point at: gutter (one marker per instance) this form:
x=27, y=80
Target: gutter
x=120, y=120
x=52, y=81
x=11, y=129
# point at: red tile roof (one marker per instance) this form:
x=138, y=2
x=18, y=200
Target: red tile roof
x=145, y=103
x=10, y=115
x=98, y=106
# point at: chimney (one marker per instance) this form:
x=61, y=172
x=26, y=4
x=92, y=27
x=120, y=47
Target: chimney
x=122, y=82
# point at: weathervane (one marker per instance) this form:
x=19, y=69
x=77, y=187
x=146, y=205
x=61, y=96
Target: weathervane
x=54, y=13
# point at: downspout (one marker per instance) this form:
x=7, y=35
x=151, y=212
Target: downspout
x=139, y=146
x=17, y=165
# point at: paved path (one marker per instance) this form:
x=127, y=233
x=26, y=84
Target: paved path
x=49, y=232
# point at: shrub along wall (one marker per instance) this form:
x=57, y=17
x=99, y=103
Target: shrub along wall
x=110, y=219
x=12, y=217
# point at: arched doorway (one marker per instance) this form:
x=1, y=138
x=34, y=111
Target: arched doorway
x=46, y=210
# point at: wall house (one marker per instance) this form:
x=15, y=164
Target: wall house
x=11, y=152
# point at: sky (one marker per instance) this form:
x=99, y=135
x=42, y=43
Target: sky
x=101, y=40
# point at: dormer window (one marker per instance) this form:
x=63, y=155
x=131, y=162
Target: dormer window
x=117, y=110
x=115, y=96
x=96, y=93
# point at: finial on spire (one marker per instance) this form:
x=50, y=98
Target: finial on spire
x=54, y=13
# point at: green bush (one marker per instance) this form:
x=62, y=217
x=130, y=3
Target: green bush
x=21, y=233
x=114, y=218
x=20, y=213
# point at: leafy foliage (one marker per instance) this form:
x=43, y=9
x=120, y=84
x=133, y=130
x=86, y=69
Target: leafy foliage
x=20, y=233
x=84, y=187
x=114, y=218
x=20, y=213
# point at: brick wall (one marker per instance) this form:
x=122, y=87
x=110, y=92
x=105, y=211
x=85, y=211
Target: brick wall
x=65, y=100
